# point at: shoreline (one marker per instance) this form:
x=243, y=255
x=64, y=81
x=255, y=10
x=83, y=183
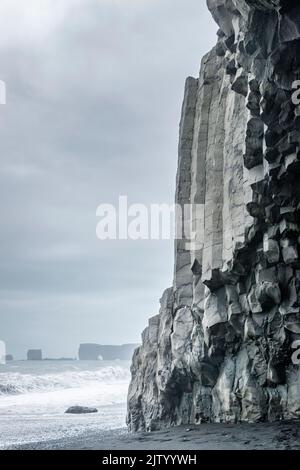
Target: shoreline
x=282, y=435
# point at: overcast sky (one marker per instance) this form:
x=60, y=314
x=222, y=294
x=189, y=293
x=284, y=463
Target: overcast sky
x=94, y=92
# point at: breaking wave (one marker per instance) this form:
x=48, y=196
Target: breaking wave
x=14, y=383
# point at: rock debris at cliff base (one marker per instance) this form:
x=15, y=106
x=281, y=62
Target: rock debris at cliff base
x=221, y=348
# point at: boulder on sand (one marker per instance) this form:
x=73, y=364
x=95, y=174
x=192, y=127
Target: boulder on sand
x=78, y=410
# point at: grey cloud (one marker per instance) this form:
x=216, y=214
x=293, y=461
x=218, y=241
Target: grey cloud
x=92, y=113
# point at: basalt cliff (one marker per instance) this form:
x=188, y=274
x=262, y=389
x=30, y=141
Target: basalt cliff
x=221, y=348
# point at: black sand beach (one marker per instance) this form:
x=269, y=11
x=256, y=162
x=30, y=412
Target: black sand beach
x=260, y=436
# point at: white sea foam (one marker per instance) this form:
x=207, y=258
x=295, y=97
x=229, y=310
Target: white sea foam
x=35, y=396
x=15, y=383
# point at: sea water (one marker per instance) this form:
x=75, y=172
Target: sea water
x=35, y=395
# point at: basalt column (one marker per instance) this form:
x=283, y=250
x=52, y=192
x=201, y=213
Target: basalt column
x=221, y=347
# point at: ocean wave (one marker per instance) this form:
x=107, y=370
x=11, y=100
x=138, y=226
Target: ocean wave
x=15, y=383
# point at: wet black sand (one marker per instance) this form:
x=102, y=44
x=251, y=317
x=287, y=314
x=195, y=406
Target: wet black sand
x=269, y=436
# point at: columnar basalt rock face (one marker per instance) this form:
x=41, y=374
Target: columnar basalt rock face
x=221, y=347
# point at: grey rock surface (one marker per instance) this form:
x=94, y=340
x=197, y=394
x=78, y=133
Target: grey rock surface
x=220, y=349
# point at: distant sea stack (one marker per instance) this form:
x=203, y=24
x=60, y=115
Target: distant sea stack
x=221, y=348
x=34, y=355
x=53, y=359
x=9, y=357
x=94, y=352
